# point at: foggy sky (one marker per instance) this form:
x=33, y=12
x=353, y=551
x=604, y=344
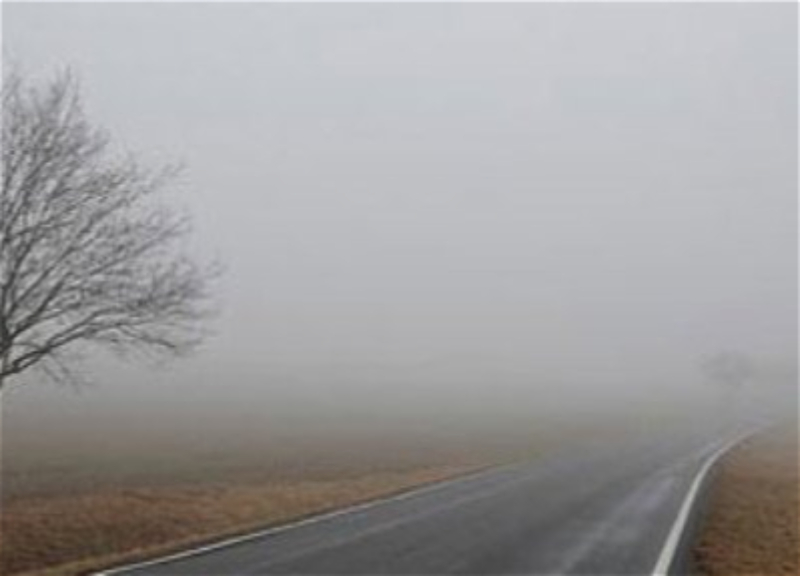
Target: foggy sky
x=536, y=204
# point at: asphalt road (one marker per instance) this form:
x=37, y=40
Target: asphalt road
x=604, y=510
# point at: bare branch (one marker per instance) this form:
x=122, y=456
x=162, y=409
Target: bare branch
x=88, y=253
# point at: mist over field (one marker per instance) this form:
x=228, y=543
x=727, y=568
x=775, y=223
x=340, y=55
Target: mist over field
x=441, y=222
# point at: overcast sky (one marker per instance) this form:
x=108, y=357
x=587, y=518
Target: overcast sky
x=421, y=201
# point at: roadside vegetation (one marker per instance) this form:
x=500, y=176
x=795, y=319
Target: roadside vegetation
x=70, y=510
x=752, y=526
x=72, y=534
x=79, y=511
x=70, y=505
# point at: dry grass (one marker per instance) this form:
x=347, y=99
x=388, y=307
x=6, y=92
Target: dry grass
x=72, y=503
x=117, y=525
x=71, y=507
x=752, y=526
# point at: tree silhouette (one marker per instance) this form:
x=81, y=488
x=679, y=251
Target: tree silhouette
x=88, y=253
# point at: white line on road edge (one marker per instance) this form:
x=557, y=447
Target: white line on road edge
x=303, y=522
x=668, y=552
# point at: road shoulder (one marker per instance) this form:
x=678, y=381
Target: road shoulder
x=751, y=526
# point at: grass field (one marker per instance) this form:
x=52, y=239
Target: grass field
x=752, y=526
x=126, y=524
x=75, y=503
x=70, y=506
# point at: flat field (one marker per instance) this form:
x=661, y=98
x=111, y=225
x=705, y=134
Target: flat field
x=752, y=525
x=72, y=505
x=77, y=502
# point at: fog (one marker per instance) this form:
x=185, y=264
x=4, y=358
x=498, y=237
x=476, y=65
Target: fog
x=434, y=217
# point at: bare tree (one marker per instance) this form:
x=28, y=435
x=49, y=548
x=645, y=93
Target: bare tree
x=88, y=254
x=730, y=370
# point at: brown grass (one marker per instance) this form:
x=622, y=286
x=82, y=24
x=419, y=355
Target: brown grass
x=70, y=507
x=752, y=525
x=92, y=530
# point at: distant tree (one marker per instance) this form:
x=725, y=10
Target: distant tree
x=88, y=255
x=731, y=370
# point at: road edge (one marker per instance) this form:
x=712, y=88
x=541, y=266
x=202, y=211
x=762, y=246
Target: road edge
x=676, y=536
x=303, y=521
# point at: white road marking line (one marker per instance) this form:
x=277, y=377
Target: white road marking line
x=304, y=522
x=661, y=568
x=405, y=519
x=668, y=552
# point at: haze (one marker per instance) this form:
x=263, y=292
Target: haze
x=446, y=214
